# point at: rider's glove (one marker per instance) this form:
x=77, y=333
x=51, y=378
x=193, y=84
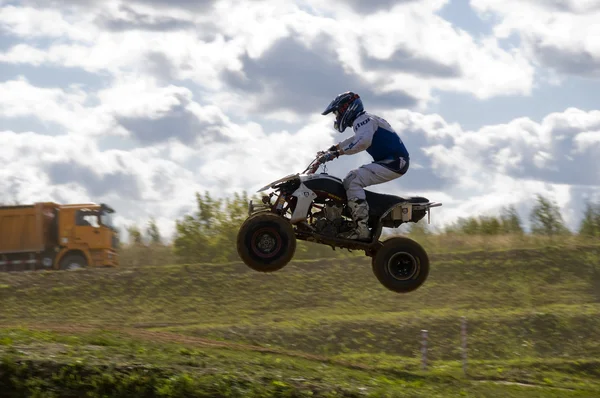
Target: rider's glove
x=327, y=156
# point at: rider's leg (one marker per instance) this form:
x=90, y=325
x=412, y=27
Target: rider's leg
x=354, y=183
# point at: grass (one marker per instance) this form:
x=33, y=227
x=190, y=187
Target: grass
x=324, y=327
x=78, y=363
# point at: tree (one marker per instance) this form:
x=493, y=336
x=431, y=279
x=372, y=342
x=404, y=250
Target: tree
x=135, y=236
x=511, y=222
x=546, y=218
x=590, y=225
x=153, y=232
x=489, y=225
x=209, y=235
x=207, y=211
x=232, y=214
x=467, y=226
x=194, y=233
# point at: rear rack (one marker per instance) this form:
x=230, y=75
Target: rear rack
x=403, y=210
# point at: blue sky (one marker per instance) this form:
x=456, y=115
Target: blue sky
x=143, y=103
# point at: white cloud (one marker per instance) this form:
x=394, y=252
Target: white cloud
x=23, y=54
x=65, y=107
x=142, y=97
x=484, y=68
x=588, y=139
x=547, y=151
x=422, y=43
x=557, y=34
x=30, y=22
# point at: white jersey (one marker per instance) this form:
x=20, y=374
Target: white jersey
x=375, y=135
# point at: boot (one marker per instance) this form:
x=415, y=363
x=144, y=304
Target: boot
x=359, y=209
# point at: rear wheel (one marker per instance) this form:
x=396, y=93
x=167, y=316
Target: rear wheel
x=266, y=242
x=401, y=265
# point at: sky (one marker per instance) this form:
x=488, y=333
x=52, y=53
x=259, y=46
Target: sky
x=142, y=103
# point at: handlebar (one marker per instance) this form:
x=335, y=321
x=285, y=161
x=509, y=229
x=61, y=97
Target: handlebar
x=313, y=166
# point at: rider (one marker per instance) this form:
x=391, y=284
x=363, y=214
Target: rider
x=378, y=138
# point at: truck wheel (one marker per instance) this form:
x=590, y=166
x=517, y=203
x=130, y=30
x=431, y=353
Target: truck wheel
x=266, y=242
x=72, y=262
x=401, y=265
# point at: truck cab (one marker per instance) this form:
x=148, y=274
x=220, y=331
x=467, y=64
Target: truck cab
x=89, y=229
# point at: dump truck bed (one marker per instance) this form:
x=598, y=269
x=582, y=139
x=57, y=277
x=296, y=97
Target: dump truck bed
x=26, y=228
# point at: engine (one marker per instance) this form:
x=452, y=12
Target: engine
x=329, y=221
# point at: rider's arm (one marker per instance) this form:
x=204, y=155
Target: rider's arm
x=360, y=141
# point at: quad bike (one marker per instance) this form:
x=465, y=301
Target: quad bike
x=312, y=207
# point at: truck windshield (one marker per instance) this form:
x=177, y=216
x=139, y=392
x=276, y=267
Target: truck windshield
x=107, y=220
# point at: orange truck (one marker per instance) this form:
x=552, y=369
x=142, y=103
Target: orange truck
x=48, y=235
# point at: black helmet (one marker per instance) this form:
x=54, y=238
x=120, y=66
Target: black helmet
x=346, y=107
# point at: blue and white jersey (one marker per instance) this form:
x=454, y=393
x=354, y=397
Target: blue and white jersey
x=375, y=135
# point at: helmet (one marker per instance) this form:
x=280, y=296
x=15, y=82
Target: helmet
x=346, y=107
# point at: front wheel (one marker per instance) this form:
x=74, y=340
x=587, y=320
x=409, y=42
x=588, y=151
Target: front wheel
x=266, y=242
x=401, y=265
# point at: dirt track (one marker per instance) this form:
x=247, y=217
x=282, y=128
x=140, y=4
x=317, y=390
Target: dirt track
x=167, y=337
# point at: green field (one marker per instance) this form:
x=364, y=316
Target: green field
x=315, y=328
